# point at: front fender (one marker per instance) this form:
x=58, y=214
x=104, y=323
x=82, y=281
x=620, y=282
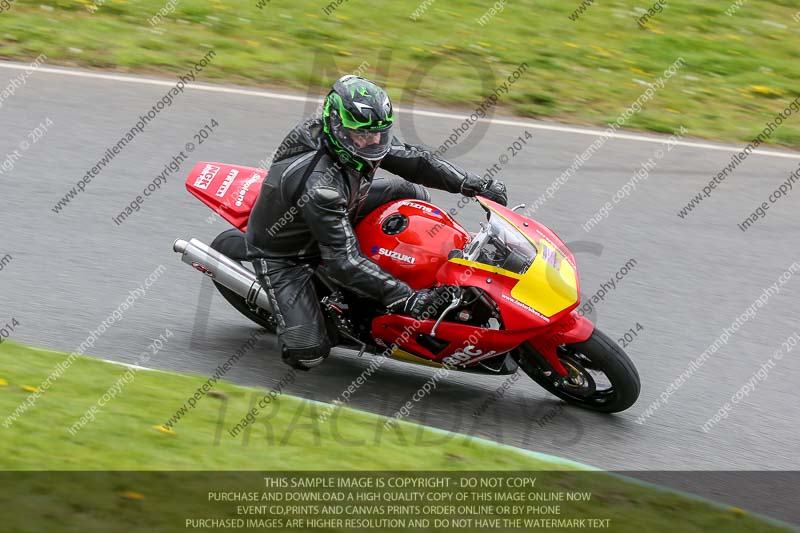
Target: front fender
x=571, y=329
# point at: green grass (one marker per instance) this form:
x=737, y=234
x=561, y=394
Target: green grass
x=124, y=437
x=124, y=434
x=740, y=70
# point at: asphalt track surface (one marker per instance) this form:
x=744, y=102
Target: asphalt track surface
x=692, y=278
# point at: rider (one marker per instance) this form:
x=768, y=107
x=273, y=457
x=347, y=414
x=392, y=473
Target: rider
x=319, y=182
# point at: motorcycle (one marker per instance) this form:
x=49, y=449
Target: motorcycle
x=514, y=306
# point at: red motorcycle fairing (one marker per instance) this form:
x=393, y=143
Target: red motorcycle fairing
x=230, y=190
x=521, y=323
x=411, y=240
x=477, y=343
x=469, y=344
x=570, y=329
x=515, y=314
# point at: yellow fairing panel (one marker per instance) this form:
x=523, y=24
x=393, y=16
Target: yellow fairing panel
x=411, y=358
x=550, y=284
x=544, y=287
x=486, y=268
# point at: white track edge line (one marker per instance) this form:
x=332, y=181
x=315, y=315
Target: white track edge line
x=435, y=114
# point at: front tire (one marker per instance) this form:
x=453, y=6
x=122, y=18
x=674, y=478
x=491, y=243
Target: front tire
x=601, y=376
x=232, y=243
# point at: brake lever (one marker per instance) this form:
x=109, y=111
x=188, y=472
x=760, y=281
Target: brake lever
x=453, y=304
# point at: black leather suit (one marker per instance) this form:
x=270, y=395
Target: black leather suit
x=305, y=215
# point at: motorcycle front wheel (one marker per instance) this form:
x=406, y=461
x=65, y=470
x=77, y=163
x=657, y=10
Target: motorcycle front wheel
x=601, y=376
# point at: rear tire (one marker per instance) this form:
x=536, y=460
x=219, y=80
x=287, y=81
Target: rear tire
x=232, y=243
x=598, y=353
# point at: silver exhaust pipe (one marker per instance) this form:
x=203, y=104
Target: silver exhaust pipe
x=223, y=270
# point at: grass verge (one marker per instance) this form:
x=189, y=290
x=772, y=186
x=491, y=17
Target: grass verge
x=125, y=436
x=738, y=73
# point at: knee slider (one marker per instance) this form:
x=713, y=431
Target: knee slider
x=305, y=358
x=304, y=347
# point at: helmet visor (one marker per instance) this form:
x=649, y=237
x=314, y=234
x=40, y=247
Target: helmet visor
x=370, y=145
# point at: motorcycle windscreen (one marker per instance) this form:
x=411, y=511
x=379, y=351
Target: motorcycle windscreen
x=547, y=282
x=230, y=190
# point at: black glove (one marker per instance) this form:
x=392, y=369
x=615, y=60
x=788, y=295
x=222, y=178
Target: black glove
x=426, y=303
x=494, y=190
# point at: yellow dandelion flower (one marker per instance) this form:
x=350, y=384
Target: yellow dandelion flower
x=28, y=388
x=164, y=429
x=737, y=511
x=132, y=495
x=3, y=382
x=761, y=89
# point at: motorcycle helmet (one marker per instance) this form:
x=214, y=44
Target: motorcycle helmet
x=357, y=120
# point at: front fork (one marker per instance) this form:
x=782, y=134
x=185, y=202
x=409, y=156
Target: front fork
x=570, y=329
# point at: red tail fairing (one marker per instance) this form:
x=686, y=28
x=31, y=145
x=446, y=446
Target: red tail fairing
x=230, y=190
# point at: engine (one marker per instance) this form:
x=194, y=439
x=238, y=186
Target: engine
x=410, y=239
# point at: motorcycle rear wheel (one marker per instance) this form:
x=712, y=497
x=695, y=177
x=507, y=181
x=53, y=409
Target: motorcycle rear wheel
x=232, y=243
x=586, y=363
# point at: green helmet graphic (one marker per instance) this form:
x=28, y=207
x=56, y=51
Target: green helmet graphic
x=357, y=119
